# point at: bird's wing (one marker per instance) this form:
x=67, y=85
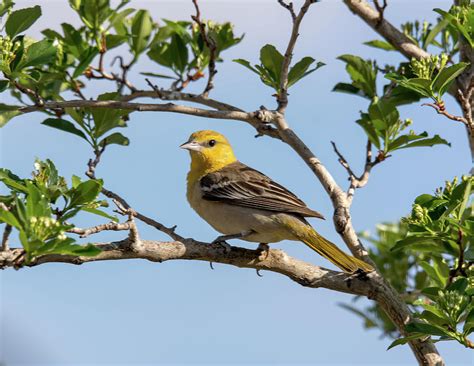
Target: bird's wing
x=241, y=185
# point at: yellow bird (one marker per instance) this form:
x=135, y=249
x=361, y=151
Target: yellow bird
x=240, y=202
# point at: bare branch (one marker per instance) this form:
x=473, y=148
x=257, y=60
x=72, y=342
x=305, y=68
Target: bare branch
x=380, y=9
x=33, y=94
x=249, y=117
x=211, y=45
x=288, y=7
x=396, y=38
x=277, y=261
x=176, y=95
x=342, y=160
x=363, y=179
x=282, y=97
x=110, y=226
x=6, y=234
x=440, y=109
x=388, y=298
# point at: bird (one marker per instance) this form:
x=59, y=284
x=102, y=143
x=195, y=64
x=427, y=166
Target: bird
x=242, y=203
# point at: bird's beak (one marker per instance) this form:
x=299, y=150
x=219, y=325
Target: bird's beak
x=191, y=146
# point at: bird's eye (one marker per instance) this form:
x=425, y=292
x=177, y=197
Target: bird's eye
x=212, y=143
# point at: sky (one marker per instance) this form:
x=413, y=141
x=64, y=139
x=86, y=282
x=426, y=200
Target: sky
x=181, y=312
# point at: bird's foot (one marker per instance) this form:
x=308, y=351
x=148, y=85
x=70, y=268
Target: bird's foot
x=263, y=251
x=220, y=240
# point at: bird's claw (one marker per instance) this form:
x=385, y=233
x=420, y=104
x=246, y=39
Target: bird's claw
x=222, y=243
x=263, y=251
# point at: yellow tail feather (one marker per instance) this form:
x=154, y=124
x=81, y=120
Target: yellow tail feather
x=328, y=250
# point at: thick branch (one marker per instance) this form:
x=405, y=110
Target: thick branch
x=396, y=38
x=156, y=251
x=168, y=107
x=387, y=297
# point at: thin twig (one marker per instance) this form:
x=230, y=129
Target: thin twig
x=380, y=9
x=33, y=94
x=110, y=226
x=211, y=45
x=282, y=95
x=440, y=109
x=363, y=179
x=288, y=7
x=92, y=164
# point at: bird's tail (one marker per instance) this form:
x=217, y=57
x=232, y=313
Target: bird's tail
x=328, y=250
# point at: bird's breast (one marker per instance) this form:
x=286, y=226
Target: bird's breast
x=231, y=219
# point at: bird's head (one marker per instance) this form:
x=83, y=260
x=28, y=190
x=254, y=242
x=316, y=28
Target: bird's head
x=210, y=150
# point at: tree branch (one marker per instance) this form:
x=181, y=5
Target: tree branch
x=249, y=117
x=396, y=38
x=157, y=251
x=282, y=97
x=363, y=179
x=6, y=234
x=440, y=109
x=388, y=298
x=110, y=226
x=211, y=45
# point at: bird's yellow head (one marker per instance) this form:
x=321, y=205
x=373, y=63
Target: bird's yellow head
x=210, y=151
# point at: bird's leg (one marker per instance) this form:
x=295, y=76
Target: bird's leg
x=222, y=239
x=263, y=250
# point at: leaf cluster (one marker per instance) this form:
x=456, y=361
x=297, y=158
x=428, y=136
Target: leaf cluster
x=40, y=209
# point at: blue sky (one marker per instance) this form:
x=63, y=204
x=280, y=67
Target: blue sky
x=136, y=312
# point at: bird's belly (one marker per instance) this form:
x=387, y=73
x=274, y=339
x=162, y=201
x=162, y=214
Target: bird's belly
x=265, y=226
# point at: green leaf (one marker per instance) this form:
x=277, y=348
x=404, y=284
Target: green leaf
x=155, y=75
x=469, y=322
x=433, y=274
x=435, y=140
x=362, y=73
x=75, y=180
x=376, y=43
x=98, y=212
x=348, y=88
x=246, y=64
x=20, y=20
x=383, y=114
x=6, y=114
x=142, y=25
x=85, y=60
x=427, y=329
x=421, y=86
x=429, y=241
x=412, y=140
x=10, y=219
x=3, y=85
x=369, y=129
x=106, y=119
x=434, y=32
x=85, y=192
x=446, y=76
x=405, y=340
x=64, y=125
x=179, y=52
x=272, y=61
x=38, y=53
x=115, y=138
x=300, y=70
x=460, y=285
